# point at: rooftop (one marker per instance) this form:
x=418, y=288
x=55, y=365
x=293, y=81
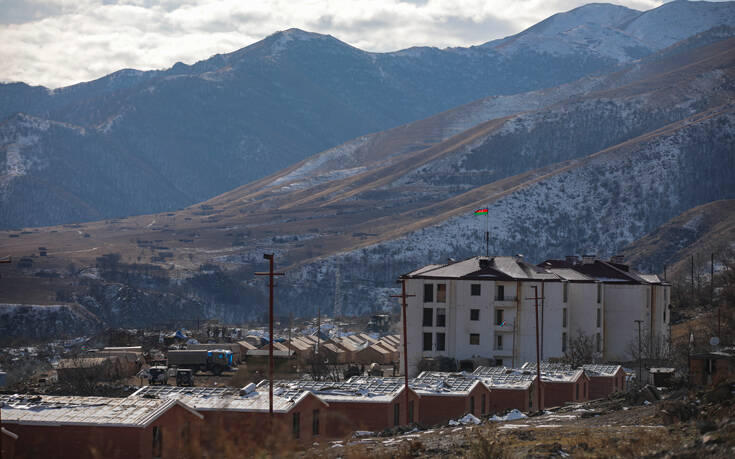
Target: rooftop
x=97, y=411
x=224, y=398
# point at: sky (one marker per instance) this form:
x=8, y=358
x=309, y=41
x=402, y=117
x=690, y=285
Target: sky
x=61, y=42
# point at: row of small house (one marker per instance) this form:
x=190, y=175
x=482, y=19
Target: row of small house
x=165, y=421
x=360, y=348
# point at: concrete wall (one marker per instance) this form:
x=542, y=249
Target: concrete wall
x=625, y=303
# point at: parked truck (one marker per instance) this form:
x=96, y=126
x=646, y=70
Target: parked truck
x=213, y=360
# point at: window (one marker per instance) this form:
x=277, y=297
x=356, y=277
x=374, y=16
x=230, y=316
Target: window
x=499, y=342
x=315, y=422
x=475, y=338
x=410, y=411
x=499, y=317
x=576, y=392
x=296, y=427
x=441, y=317
x=564, y=342
x=428, y=317
x=482, y=403
x=564, y=291
x=427, y=342
x=428, y=293
x=472, y=405
x=475, y=290
x=598, y=342
x=474, y=314
x=157, y=441
x=599, y=292
x=599, y=318
x=664, y=314
x=396, y=414
x=500, y=293
x=564, y=317
x=440, y=342
x=441, y=293
x=498, y=362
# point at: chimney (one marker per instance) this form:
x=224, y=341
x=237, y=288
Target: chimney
x=571, y=259
x=618, y=259
x=588, y=259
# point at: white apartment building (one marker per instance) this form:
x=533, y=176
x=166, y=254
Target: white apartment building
x=486, y=308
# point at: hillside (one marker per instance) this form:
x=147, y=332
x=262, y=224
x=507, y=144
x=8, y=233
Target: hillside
x=585, y=167
x=700, y=231
x=143, y=142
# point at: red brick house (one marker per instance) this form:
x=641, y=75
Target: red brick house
x=239, y=420
x=605, y=380
x=361, y=403
x=509, y=389
x=446, y=396
x=564, y=386
x=709, y=368
x=95, y=427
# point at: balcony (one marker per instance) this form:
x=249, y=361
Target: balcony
x=506, y=301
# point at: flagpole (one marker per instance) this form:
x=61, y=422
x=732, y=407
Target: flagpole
x=487, y=233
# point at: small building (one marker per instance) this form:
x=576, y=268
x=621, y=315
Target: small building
x=374, y=353
x=605, y=380
x=361, y=403
x=710, y=368
x=509, y=389
x=446, y=396
x=92, y=427
x=662, y=376
x=246, y=346
x=349, y=346
x=564, y=386
x=238, y=420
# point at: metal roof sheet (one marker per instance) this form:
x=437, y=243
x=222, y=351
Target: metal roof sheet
x=93, y=411
x=225, y=398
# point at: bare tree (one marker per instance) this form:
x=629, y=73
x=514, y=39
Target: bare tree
x=580, y=351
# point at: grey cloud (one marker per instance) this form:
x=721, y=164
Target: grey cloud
x=23, y=11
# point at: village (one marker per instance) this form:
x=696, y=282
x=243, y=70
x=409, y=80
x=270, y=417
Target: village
x=482, y=340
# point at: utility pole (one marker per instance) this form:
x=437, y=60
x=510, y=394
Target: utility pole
x=290, y=327
x=403, y=297
x=538, y=351
x=270, y=274
x=640, y=354
x=318, y=327
x=4, y=260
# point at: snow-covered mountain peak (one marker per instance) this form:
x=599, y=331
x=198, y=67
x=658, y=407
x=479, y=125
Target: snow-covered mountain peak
x=280, y=40
x=595, y=14
x=675, y=21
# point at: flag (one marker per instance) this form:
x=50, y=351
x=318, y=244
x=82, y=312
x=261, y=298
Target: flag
x=502, y=324
x=480, y=211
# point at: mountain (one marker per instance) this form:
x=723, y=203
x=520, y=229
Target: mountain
x=141, y=142
x=700, y=231
x=588, y=166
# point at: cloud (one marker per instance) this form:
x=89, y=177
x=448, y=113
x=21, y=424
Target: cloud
x=61, y=42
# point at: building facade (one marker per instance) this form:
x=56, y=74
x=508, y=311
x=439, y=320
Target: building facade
x=487, y=308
